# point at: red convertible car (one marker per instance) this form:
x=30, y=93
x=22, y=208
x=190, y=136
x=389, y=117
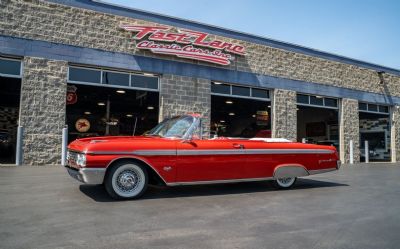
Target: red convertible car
x=175, y=153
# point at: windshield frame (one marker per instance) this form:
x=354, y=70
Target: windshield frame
x=187, y=134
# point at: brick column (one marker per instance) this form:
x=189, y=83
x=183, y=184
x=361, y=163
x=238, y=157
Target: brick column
x=349, y=130
x=284, y=114
x=181, y=95
x=42, y=109
x=395, y=133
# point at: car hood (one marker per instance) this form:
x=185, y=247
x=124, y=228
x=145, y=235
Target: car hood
x=120, y=143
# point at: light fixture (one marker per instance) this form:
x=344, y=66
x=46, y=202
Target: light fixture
x=148, y=74
x=319, y=97
x=101, y=103
x=120, y=91
x=269, y=106
x=229, y=102
x=231, y=114
x=217, y=83
x=222, y=121
x=129, y=115
x=87, y=113
x=150, y=108
x=253, y=115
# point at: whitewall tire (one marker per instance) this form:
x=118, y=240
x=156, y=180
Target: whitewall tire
x=126, y=180
x=286, y=182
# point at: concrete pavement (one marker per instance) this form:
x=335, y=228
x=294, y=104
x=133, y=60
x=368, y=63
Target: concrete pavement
x=356, y=207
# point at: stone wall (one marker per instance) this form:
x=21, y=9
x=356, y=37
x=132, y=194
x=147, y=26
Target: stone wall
x=41, y=20
x=349, y=130
x=284, y=114
x=42, y=109
x=395, y=133
x=182, y=95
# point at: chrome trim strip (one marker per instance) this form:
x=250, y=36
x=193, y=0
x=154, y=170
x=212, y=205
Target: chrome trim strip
x=212, y=152
x=87, y=175
x=219, y=181
x=319, y=171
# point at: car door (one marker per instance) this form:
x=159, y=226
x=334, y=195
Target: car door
x=209, y=160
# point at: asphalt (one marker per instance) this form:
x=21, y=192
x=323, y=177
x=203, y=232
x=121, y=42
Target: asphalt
x=356, y=207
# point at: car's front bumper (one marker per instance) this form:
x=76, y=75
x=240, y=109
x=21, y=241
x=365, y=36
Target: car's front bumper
x=87, y=175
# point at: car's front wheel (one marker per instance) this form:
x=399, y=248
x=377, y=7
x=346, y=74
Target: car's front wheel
x=285, y=182
x=126, y=180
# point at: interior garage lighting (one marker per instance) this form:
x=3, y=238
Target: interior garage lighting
x=231, y=114
x=229, y=102
x=148, y=74
x=269, y=106
x=87, y=113
x=222, y=121
x=129, y=115
x=101, y=103
x=150, y=108
x=319, y=97
x=217, y=83
x=120, y=91
x=253, y=115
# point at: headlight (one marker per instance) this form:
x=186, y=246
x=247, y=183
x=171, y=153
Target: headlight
x=81, y=160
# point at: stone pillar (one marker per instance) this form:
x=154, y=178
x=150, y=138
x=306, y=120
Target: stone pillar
x=349, y=130
x=395, y=133
x=42, y=109
x=181, y=95
x=284, y=114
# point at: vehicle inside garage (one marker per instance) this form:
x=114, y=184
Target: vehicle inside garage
x=240, y=111
x=317, y=120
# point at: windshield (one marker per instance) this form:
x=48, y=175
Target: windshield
x=173, y=127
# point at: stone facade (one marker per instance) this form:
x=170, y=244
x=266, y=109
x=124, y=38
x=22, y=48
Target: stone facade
x=41, y=20
x=395, y=133
x=284, y=114
x=42, y=106
x=349, y=130
x=182, y=95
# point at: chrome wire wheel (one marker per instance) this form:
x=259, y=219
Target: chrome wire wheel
x=286, y=182
x=127, y=181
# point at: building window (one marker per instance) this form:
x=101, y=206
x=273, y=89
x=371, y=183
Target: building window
x=239, y=91
x=317, y=101
x=84, y=75
x=10, y=68
x=373, y=108
x=119, y=79
x=112, y=78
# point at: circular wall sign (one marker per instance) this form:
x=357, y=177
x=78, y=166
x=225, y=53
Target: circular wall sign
x=82, y=125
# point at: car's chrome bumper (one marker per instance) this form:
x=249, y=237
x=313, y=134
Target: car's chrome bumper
x=87, y=175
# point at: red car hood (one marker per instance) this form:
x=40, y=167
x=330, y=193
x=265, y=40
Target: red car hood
x=119, y=143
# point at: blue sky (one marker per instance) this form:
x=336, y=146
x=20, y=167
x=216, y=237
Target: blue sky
x=367, y=30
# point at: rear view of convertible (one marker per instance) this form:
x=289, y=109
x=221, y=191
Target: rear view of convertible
x=175, y=153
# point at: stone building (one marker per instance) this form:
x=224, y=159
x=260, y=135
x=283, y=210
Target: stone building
x=101, y=69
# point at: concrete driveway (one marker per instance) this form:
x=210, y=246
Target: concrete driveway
x=357, y=207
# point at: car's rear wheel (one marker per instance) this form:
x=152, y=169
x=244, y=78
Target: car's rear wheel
x=286, y=182
x=126, y=180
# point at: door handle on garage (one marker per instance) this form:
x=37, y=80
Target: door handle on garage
x=238, y=146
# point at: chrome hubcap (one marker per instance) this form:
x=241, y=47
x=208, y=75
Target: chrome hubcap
x=285, y=180
x=128, y=180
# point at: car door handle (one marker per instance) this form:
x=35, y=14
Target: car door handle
x=238, y=146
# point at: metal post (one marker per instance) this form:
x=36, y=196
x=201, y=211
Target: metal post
x=366, y=153
x=19, y=150
x=351, y=152
x=64, y=146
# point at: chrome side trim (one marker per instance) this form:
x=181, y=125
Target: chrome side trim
x=319, y=171
x=219, y=181
x=212, y=152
